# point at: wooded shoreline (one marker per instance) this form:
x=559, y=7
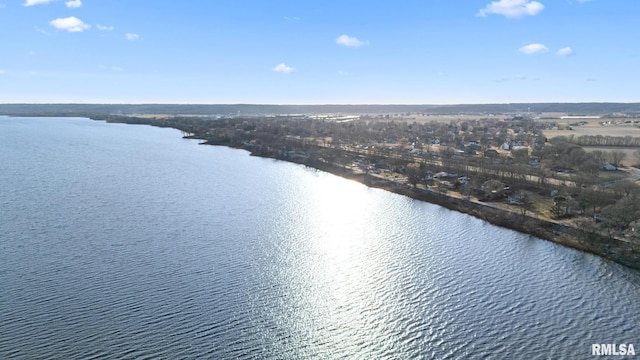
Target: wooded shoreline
x=625, y=253
x=610, y=248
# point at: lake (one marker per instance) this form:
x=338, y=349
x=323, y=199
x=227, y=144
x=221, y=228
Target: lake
x=128, y=242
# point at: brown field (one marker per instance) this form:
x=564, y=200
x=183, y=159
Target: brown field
x=593, y=127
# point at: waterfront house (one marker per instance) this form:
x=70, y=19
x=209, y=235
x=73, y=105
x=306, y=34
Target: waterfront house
x=491, y=153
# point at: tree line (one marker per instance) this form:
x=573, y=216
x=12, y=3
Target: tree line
x=604, y=140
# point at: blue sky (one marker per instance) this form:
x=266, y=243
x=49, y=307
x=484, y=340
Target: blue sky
x=319, y=51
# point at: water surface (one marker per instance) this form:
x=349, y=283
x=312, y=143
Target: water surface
x=121, y=241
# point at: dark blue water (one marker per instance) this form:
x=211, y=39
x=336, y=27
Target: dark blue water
x=121, y=241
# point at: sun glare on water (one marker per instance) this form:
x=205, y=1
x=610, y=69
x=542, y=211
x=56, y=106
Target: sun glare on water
x=341, y=281
x=342, y=212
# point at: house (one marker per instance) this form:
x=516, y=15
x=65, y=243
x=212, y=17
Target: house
x=562, y=169
x=445, y=175
x=470, y=150
x=491, y=153
x=514, y=200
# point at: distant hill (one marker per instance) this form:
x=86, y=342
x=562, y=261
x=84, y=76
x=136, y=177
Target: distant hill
x=257, y=109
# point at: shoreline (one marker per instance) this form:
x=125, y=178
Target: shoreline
x=619, y=251
x=612, y=249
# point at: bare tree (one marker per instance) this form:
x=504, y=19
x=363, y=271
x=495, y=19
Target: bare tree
x=626, y=188
x=617, y=156
x=526, y=203
x=622, y=213
x=637, y=157
x=414, y=173
x=493, y=189
x=599, y=156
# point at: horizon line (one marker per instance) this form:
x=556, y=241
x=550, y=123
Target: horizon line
x=311, y=104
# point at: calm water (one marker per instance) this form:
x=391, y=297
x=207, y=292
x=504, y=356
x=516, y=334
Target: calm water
x=121, y=241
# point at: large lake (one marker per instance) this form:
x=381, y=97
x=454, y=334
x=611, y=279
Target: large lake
x=128, y=242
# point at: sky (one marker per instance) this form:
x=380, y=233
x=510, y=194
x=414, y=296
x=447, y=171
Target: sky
x=319, y=51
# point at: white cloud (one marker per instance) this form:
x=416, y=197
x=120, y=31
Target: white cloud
x=73, y=3
x=70, y=24
x=132, y=36
x=533, y=49
x=512, y=8
x=283, y=68
x=35, y=2
x=104, y=28
x=565, y=51
x=346, y=40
